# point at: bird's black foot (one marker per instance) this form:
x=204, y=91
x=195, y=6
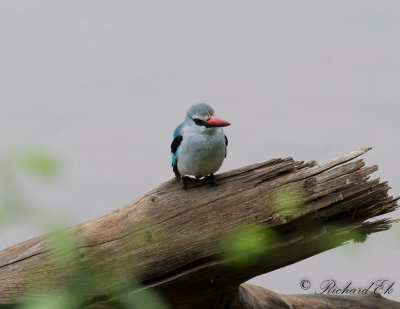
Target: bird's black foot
x=184, y=181
x=213, y=182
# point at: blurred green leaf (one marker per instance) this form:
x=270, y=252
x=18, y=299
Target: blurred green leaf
x=57, y=301
x=37, y=163
x=286, y=201
x=246, y=244
x=64, y=244
x=143, y=300
x=10, y=210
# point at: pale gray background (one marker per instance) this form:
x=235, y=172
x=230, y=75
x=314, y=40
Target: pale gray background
x=102, y=84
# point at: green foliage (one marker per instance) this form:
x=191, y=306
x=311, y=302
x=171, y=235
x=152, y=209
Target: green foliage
x=251, y=241
x=83, y=281
x=286, y=201
x=13, y=201
x=36, y=163
x=51, y=301
x=244, y=246
x=75, y=280
x=63, y=244
x=10, y=209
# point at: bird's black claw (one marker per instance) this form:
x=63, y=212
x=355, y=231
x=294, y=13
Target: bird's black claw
x=214, y=182
x=184, y=182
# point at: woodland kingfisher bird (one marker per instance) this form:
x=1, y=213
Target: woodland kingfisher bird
x=199, y=144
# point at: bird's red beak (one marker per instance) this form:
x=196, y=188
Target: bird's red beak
x=216, y=122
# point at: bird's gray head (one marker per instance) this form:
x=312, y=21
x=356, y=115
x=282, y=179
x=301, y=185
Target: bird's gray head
x=201, y=111
x=202, y=115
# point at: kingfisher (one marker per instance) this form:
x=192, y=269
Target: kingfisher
x=199, y=144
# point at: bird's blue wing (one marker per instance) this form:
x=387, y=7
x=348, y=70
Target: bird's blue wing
x=175, y=148
x=178, y=129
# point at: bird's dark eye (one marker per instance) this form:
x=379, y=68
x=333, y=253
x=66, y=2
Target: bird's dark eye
x=199, y=122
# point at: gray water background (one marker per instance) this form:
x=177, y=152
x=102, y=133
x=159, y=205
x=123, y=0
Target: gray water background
x=101, y=85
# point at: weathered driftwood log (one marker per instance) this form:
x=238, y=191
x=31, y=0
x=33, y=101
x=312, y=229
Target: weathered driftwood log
x=255, y=297
x=175, y=241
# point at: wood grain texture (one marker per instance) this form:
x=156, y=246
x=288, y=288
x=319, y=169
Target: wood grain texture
x=255, y=297
x=173, y=240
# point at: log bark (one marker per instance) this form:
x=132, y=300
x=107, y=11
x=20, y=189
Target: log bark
x=255, y=297
x=174, y=240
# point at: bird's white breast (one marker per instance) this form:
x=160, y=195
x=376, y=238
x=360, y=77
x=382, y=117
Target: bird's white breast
x=201, y=153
